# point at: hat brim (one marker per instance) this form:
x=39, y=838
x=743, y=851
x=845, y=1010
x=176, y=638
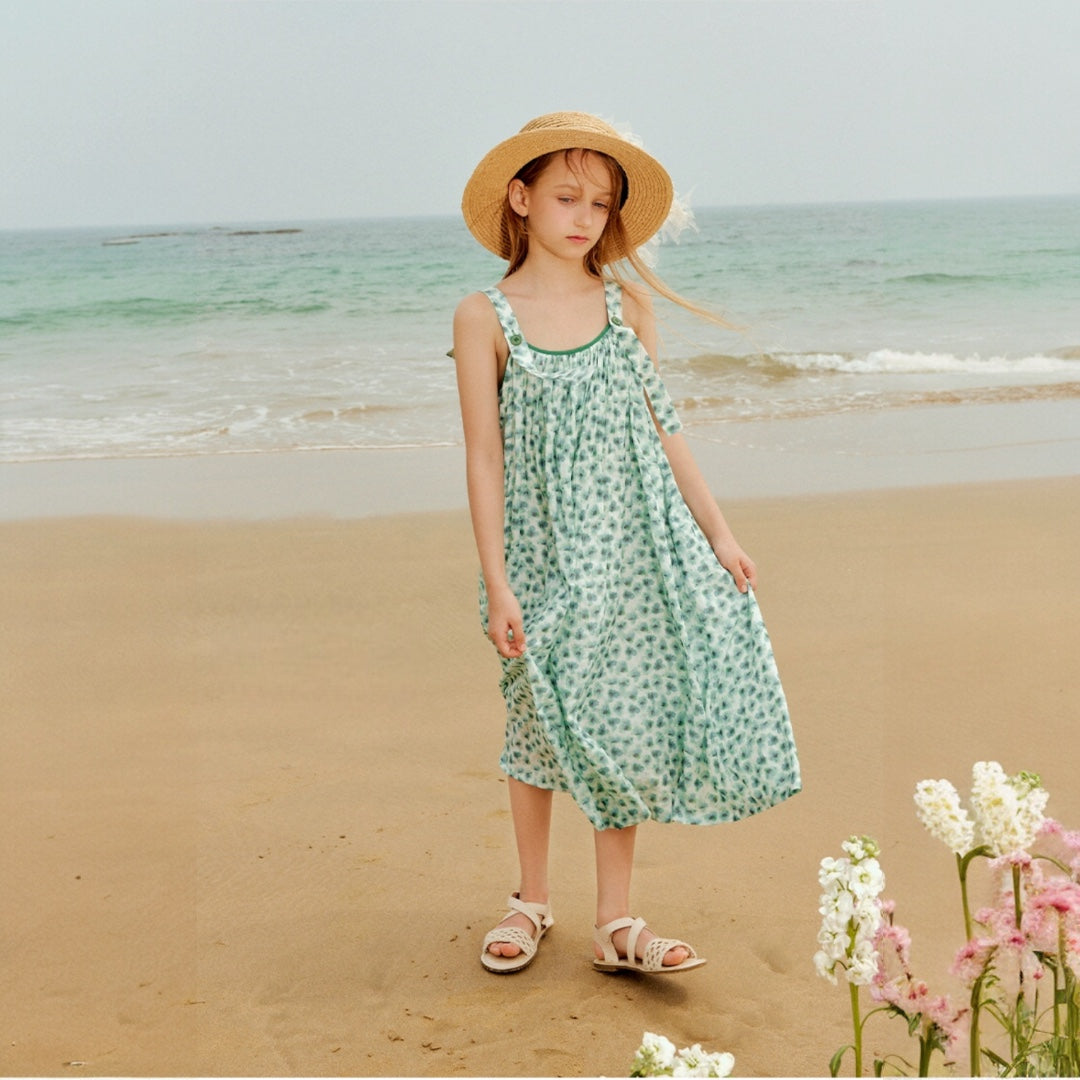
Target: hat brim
x=649, y=188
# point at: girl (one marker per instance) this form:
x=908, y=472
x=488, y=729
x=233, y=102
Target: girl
x=636, y=669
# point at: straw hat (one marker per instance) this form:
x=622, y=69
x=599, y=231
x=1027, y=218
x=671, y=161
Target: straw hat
x=648, y=187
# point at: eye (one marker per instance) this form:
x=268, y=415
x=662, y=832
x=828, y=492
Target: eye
x=601, y=206
x=565, y=199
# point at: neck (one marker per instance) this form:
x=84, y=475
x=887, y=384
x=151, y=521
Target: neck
x=546, y=273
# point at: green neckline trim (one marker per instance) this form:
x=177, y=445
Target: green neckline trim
x=568, y=352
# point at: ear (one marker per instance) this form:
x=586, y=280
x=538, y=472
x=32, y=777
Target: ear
x=518, y=195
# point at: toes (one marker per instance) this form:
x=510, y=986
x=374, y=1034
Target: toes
x=503, y=948
x=674, y=957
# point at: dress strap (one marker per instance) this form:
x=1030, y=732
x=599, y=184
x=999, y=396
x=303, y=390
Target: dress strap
x=652, y=384
x=519, y=348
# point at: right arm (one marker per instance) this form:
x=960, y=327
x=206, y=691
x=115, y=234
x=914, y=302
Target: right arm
x=477, y=345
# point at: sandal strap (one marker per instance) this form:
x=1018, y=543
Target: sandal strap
x=603, y=935
x=538, y=914
x=511, y=935
x=653, y=957
x=658, y=948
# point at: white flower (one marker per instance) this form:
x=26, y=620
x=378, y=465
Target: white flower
x=693, y=1061
x=851, y=912
x=868, y=920
x=1007, y=812
x=655, y=1054
x=863, y=962
x=833, y=872
x=1007, y=809
x=825, y=964
x=861, y=847
x=938, y=806
x=867, y=878
x=838, y=906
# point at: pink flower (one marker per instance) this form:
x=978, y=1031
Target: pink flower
x=1013, y=858
x=1062, y=895
x=886, y=992
x=1060, y=843
x=1000, y=921
x=951, y=1022
x=1011, y=952
x=898, y=937
x=938, y=1019
x=1054, y=908
x=971, y=960
x=892, y=943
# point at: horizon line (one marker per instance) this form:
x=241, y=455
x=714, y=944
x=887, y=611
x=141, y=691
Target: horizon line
x=223, y=223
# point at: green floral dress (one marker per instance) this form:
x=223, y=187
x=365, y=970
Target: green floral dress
x=648, y=688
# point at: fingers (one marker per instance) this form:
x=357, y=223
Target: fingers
x=749, y=574
x=737, y=563
x=505, y=623
x=744, y=573
x=509, y=639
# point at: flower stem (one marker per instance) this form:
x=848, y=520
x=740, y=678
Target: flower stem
x=1017, y=908
x=926, y=1049
x=975, y=1050
x=857, y=1025
x=962, y=866
x=1072, y=1016
x=1062, y=966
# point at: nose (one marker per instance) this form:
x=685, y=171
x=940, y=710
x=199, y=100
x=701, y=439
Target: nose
x=584, y=213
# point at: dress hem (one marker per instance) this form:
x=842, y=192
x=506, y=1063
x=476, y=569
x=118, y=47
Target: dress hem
x=674, y=819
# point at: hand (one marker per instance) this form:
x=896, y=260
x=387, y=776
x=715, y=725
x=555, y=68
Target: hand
x=736, y=562
x=505, y=626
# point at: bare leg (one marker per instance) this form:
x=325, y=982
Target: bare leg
x=614, y=868
x=531, y=808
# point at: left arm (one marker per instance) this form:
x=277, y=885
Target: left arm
x=637, y=308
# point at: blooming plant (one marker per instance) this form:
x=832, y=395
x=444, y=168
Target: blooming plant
x=932, y=1019
x=852, y=912
x=657, y=1056
x=857, y=937
x=1020, y=965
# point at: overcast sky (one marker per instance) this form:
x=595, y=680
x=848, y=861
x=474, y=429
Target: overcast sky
x=127, y=112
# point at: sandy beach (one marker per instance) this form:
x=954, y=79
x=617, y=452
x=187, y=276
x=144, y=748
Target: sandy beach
x=254, y=824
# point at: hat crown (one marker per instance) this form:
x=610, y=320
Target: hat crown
x=570, y=121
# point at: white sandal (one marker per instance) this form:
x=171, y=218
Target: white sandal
x=652, y=962
x=541, y=918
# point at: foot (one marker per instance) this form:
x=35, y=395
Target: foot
x=512, y=945
x=507, y=948
x=672, y=957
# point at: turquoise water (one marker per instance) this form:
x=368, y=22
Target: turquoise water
x=304, y=335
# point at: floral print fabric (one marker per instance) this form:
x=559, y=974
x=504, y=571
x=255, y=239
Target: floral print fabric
x=648, y=688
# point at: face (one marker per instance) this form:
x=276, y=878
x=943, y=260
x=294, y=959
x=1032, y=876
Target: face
x=567, y=206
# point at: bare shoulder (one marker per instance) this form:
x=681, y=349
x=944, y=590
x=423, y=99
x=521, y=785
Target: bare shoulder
x=478, y=337
x=474, y=312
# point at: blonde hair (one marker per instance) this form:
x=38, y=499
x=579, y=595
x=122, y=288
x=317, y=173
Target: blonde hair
x=602, y=260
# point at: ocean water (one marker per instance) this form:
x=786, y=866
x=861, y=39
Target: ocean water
x=255, y=338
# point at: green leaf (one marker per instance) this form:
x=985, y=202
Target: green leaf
x=965, y=860
x=837, y=1058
